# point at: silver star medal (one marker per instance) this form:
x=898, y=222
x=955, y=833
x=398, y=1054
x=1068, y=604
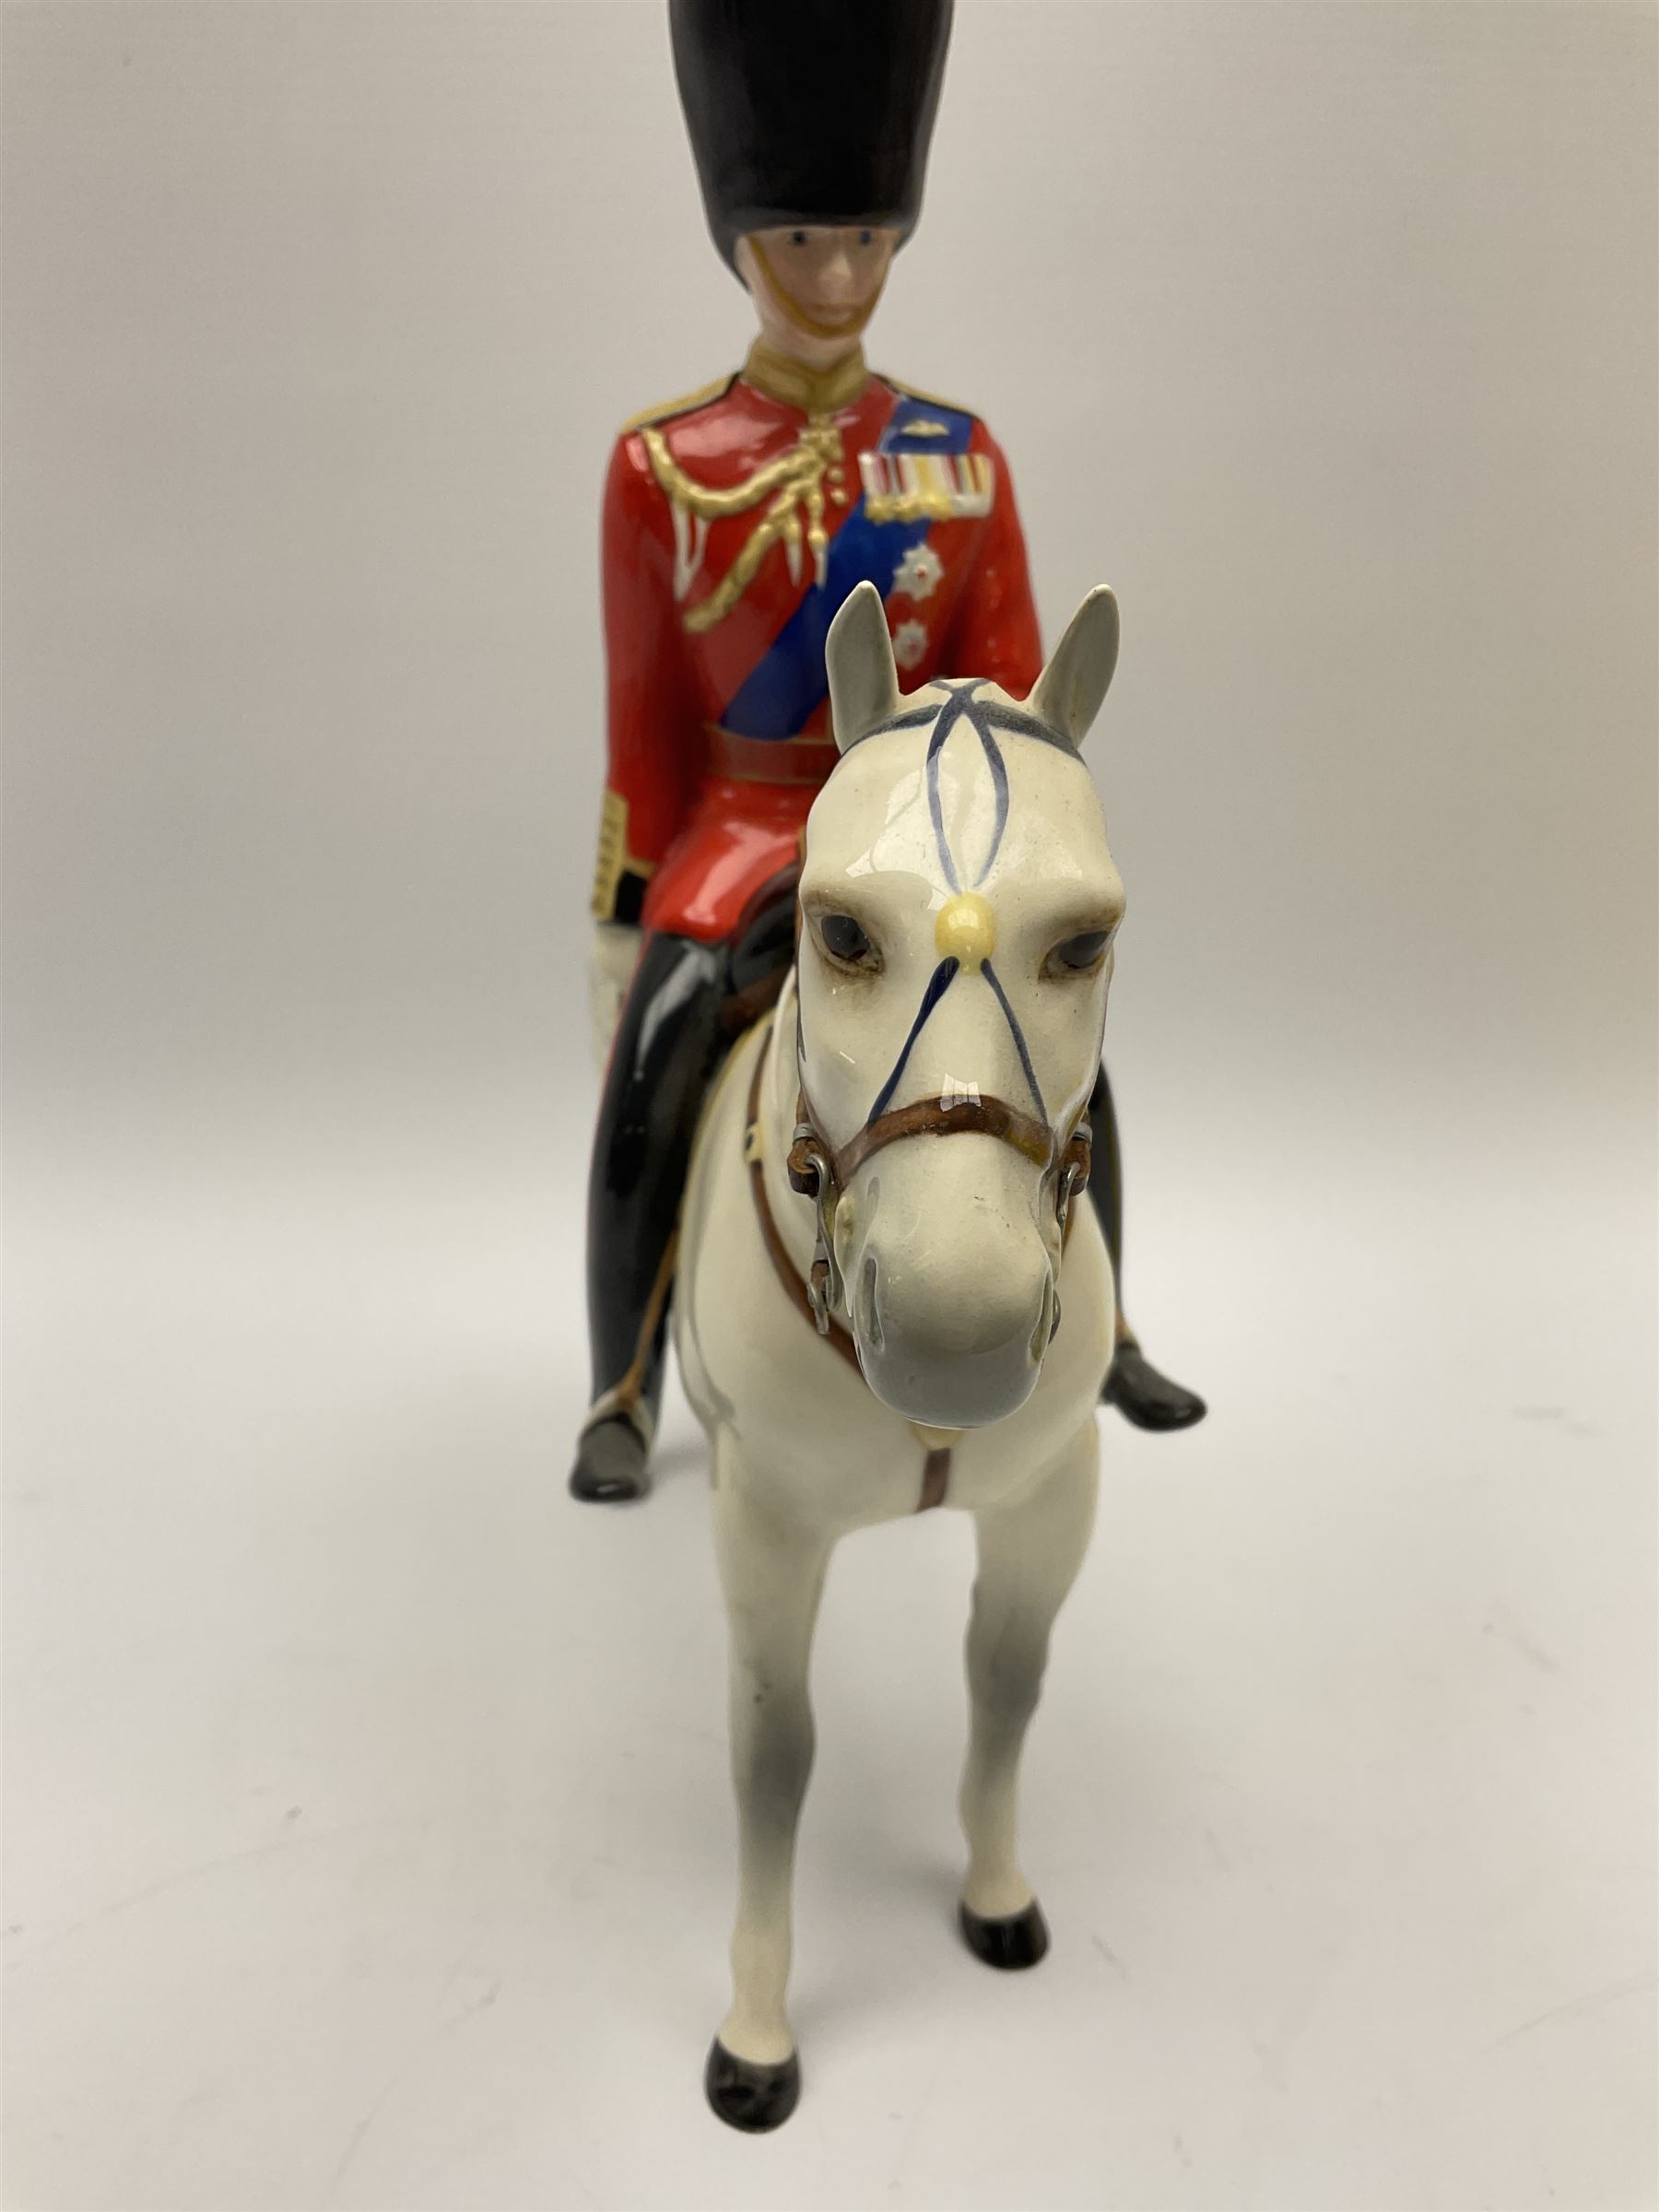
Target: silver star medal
x=918, y=573
x=910, y=642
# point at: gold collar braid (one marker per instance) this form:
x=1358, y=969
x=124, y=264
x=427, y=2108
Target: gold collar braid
x=795, y=485
x=794, y=385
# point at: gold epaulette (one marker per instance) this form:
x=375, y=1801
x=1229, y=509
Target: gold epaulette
x=682, y=405
x=934, y=399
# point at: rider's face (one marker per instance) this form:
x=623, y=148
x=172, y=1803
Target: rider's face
x=815, y=287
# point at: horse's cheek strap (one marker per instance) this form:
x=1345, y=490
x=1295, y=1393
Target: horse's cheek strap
x=811, y=1171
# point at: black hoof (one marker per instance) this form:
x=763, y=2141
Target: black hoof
x=1144, y=1397
x=611, y=1463
x=1020, y=1940
x=751, y=2097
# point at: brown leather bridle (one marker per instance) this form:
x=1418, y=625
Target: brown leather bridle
x=820, y=1172
x=814, y=1165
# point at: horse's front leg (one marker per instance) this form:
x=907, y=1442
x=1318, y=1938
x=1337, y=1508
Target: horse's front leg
x=772, y=1573
x=1030, y=1551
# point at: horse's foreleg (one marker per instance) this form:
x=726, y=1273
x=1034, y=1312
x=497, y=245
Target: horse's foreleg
x=772, y=1573
x=1030, y=1551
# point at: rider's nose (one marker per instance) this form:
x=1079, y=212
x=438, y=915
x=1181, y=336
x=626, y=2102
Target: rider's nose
x=835, y=280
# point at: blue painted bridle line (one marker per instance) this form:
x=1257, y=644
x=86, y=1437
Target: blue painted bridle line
x=943, y=976
x=938, y=984
x=963, y=704
x=1019, y=1035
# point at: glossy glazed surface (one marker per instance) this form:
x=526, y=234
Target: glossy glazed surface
x=805, y=1449
x=734, y=530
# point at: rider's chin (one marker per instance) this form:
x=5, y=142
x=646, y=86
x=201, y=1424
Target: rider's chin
x=949, y=1356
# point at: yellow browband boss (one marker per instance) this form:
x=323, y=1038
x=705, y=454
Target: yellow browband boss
x=965, y=930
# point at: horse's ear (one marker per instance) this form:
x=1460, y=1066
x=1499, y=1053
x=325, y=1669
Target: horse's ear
x=858, y=653
x=1068, y=693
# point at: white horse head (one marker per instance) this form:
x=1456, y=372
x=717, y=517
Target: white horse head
x=959, y=903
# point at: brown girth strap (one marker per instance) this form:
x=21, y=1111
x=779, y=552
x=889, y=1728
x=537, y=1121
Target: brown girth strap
x=935, y=1470
x=936, y=1480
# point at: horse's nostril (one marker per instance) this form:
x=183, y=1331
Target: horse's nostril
x=869, y=1312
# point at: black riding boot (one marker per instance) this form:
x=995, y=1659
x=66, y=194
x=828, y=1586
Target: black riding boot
x=685, y=1007
x=1133, y=1384
x=669, y=1041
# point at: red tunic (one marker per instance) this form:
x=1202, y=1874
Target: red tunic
x=735, y=526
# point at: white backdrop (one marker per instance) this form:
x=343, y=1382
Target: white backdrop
x=367, y=1832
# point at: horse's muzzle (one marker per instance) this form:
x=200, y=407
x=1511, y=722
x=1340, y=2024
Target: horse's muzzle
x=945, y=1348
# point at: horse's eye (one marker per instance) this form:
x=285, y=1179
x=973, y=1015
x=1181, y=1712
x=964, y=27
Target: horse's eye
x=1080, y=953
x=845, y=939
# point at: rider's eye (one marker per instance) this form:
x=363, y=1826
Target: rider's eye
x=1078, y=954
x=797, y=238
x=864, y=237
x=845, y=939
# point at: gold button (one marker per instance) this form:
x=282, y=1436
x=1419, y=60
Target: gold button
x=965, y=930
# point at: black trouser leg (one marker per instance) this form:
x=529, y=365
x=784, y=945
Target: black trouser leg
x=1106, y=1176
x=671, y=1036
x=1133, y=1384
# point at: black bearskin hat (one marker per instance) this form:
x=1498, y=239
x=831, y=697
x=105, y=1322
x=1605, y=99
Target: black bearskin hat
x=809, y=110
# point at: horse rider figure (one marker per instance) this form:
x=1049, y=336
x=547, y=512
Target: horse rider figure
x=736, y=519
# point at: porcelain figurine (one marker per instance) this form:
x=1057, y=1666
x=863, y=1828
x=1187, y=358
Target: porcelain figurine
x=737, y=520
x=890, y=1297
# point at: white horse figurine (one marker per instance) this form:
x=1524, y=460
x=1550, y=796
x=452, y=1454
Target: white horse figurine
x=870, y=1318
